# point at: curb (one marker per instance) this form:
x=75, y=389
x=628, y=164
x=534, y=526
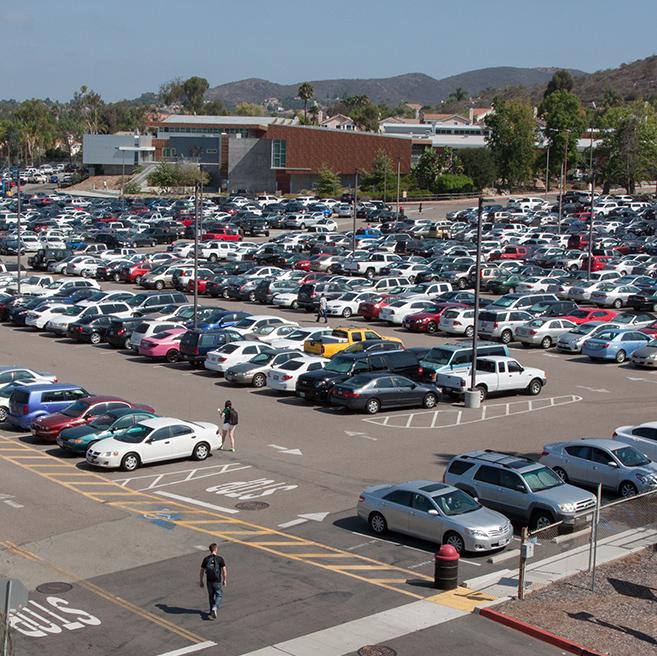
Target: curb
x=535, y=632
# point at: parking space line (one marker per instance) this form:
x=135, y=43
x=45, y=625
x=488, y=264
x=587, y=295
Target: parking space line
x=196, y=502
x=190, y=650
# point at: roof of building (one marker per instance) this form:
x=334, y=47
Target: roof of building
x=444, y=117
x=339, y=118
x=227, y=120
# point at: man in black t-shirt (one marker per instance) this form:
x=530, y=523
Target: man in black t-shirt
x=214, y=569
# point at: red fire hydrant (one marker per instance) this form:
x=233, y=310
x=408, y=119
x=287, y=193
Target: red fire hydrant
x=446, y=569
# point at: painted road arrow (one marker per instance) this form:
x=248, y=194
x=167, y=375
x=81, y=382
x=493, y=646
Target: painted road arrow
x=645, y=380
x=592, y=389
x=312, y=517
x=365, y=436
x=284, y=449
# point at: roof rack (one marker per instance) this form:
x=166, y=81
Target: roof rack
x=516, y=458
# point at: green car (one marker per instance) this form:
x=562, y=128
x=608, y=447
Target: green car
x=505, y=285
x=79, y=438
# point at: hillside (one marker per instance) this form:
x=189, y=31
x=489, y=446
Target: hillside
x=410, y=87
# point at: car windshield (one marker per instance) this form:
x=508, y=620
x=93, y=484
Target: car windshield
x=298, y=335
x=101, y=422
x=136, y=300
x=503, y=302
x=630, y=457
x=536, y=323
x=340, y=365
x=541, y=479
x=261, y=358
x=73, y=311
x=76, y=409
x=349, y=296
x=583, y=329
x=439, y=356
x=245, y=323
x=624, y=318
x=456, y=502
x=134, y=435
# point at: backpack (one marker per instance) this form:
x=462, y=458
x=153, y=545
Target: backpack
x=212, y=569
x=232, y=417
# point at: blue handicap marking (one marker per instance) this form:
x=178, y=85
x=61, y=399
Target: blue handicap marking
x=163, y=518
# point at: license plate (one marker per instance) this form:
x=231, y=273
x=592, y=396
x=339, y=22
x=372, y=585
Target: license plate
x=302, y=395
x=588, y=518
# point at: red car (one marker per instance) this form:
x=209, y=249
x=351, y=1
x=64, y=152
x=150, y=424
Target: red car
x=428, y=320
x=202, y=285
x=582, y=315
x=370, y=310
x=511, y=253
x=650, y=330
x=598, y=263
x=221, y=233
x=302, y=265
x=135, y=272
x=47, y=428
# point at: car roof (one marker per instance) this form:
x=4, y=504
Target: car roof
x=423, y=485
x=507, y=460
x=4, y=368
x=53, y=386
x=603, y=443
x=160, y=422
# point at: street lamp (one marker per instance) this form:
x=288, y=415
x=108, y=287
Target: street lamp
x=18, y=231
x=592, y=172
x=398, y=183
x=353, y=223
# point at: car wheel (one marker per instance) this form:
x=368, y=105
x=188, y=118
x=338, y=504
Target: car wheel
x=252, y=296
x=512, y=290
x=506, y=336
x=3, y=414
x=126, y=344
x=546, y=342
x=461, y=283
x=94, y=338
x=534, y=388
x=560, y=473
x=116, y=277
x=454, y=540
x=172, y=355
x=259, y=380
x=429, y=401
x=621, y=356
x=378, y=523
x=573, y=267
x=130, y=462
x=627, y=489
x=294, y=305
x=618, y=304
x=159, y=285
x=201, y=451
x=346, y=313
x=432, y=327
x=654, y=307
x=373, y=406
x=469, y=331
x=541, y=519
x=224, y=294
x=369, y=274
x=482, y=392
x=138, y=280
x=213, y=258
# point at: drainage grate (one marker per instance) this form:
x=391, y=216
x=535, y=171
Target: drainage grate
x=376, y=650
x=252, y=505
x=56, y=587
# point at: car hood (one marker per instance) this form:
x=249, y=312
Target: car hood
x=483, y=518
x=76, y=432
x=111, y=444
x=645, y=351
x=423, y=315
x=567, y=494
x=57, y=419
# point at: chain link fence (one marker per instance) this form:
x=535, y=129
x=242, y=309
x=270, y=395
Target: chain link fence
x=617, y=526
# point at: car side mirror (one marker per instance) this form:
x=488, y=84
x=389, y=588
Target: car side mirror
x=148, y=440
x=432, y=511
x=521, y=488
x=613, y=464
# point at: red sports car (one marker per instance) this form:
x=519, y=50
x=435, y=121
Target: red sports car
x=428, y=320
x=582, y=315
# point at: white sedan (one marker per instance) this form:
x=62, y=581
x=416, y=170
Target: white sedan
x=324, y=225
x=457, y=321
x=296, y=339
x=284, y=377
x=642, y=437
x=347, y=304
x=536, y=284
x=39, y=318
x=155, y=440
x=272, y=332
x=286, y=300
x=397, y=311
x=22, y=375
x=232, y=353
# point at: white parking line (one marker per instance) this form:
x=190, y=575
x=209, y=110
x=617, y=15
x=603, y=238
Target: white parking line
x=190, y=650
x=196, y=502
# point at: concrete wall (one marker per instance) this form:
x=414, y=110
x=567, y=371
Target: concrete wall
x=249, y=165
x=101, y=149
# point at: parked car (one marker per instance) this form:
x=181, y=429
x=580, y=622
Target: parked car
x=254, y=371
x=571, y=341
x=543, y=332
x=614, y=344
x=618, y=467
x=283, y=377
x=15, y=374
x=231, y=354
x=196, y=344
x=435, y=512
x=165, y=344
x=155, y=440
x=642, y=436
x=646, y=356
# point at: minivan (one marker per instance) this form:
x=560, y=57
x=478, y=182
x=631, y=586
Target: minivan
x=196, y=344
x=149, y=302
x=28, y=403
x=317, y=385
x=518, y=301
x=457, y=355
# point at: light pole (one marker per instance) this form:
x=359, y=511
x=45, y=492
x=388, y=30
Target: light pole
x=472, y=397
x=18, y=232
x=592, y=173
x=196, y=208
x=547, y=171
x=353, y=223
x=398, y=183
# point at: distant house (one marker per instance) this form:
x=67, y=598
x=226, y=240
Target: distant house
x=396, y=120
x=445, y=119
x=478, y=114
x=416, y=107
x=338, y=122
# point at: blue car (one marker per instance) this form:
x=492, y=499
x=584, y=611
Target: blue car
x=29, y=402
x=217, y=319
x=614, y=344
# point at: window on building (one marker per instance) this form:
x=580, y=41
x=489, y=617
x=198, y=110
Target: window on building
x=166, y=152
x=211, y=151
x=279, y=154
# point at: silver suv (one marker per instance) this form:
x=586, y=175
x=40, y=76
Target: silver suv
x=617, y=466
x=520, y=488
x=254, y=371
x=502, y=324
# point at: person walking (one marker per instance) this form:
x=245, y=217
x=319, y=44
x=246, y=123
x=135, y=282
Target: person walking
x=420, y=208
x=322, y=309
x=214, y=569
x=229, y=422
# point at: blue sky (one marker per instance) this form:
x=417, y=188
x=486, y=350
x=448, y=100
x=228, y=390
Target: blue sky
x=122, y=48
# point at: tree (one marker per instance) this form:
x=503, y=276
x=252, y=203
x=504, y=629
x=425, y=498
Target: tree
x=565, y=121
x=171, y=93
x=167, y=176
x=314, y=113
x=36, y=128
x=363, y=112
x=432, y=164
x=511, y=140
x=194, y=90
x=479, y=165
x=305, y=92
x=86, y=107
x=249, y=109
x=382, y=177
x=215, y=108
x=562, y=80
x=328, y=182
x=628, y=152
x=458, y=95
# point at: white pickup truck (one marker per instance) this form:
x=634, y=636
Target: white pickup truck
x=494, y=373
x=373, y=265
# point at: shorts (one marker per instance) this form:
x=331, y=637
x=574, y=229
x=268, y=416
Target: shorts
x=227, y=426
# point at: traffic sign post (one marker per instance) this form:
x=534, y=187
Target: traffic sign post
x=15, y=596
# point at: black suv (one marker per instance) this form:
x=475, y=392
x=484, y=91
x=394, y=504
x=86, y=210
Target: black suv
x=317, y=385
x=310, y=293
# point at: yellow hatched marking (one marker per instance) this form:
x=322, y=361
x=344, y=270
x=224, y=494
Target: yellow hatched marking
x=461, y=599
x=362, y=567
x=281, y=543
x=321, y=555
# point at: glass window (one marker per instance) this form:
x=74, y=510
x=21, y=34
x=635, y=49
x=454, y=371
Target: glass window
x=459, y=467
x=487, y=474
x=279, y=154
x=422, y=503
x=402, y=497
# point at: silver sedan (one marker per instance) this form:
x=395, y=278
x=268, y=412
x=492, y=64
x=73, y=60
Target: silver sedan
x=543, y=331
x=571, y=342
x=436, y=512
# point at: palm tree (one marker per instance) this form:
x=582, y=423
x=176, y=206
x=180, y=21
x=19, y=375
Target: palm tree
x=459, y=94
x=305, y=92
x=314, y=112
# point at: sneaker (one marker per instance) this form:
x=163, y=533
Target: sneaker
x=213, y=615
x=231, y=450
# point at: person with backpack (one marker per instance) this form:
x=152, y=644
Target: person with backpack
x=229, y=422
x=322, y=309
x=214, y=569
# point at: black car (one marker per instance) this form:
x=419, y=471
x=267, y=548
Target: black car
x=552, y=308
x=252, y=226
x=41, y=259
x=196, y=344
x=90, y=329
x=119, y=331
x=311, y=292
x=317, y=385
x=371, y=392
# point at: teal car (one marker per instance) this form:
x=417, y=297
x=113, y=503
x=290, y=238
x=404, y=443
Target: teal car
x=79, y=438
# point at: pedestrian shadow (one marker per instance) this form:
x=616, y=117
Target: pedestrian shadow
x=635, y=590
x=179, y=610
x=583, y=616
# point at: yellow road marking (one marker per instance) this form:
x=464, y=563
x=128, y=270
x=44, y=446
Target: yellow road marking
x=101, y=592
x=203, y=521
x=461, y=599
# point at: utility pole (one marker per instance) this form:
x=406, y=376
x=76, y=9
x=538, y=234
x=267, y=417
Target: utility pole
x=18, y=232
x=398, y=183
x=547, y=172
x=590, y=247
x=353, y=226
x=196, y=208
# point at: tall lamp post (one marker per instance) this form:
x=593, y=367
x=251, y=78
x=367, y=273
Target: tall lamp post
x=353, y=223
x=472, y=397
x=592, y=172
x=398, y=183
x=18, y=231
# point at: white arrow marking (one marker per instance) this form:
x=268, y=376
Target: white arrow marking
x=365, y=436
x=284, y=449
x=314, y=517
x=592, y=389
x=645, y=380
